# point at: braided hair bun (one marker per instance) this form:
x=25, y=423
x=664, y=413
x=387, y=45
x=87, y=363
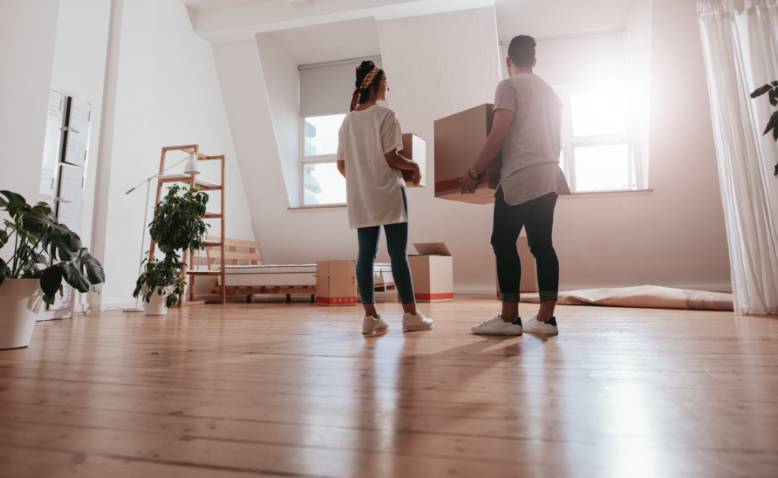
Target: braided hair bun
x=362, y=92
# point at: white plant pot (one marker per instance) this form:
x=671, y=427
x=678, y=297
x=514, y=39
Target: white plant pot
x=157, y=305
x=21, y=304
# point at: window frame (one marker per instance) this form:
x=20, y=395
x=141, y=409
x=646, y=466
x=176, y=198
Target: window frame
x=317, y=159
x=570, y=142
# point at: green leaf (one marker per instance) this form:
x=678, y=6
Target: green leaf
x=36, y=222
x=772, y=123
x=51, y=282
x=760, y=91
x=74, y=277
x=15, y=203
x=774, y=97
x=91, y=267
x=4, y=271
x=3, y=238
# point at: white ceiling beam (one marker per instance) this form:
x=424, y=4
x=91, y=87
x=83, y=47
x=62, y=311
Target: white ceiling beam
x=221, y=21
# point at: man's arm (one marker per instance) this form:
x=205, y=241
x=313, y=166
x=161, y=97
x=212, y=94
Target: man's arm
x=501, y=128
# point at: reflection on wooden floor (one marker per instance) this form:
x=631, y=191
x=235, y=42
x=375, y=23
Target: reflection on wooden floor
x=295, y=390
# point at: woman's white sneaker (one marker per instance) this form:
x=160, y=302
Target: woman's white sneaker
x=535, y=326
x=374, y=325
x=497, y=326
x=412, y=323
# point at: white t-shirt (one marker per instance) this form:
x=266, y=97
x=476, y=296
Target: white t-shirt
x=373, y=189
x=530, y=155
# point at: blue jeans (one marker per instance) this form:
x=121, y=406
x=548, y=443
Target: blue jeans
x=397, y=243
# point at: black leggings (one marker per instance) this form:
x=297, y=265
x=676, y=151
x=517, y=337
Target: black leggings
x=537, y=216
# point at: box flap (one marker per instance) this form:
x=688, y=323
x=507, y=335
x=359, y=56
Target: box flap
x=432, y=248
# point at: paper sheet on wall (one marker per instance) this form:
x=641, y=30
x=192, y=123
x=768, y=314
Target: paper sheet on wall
x=70, y=200
x=79, y=116
x=52, y=145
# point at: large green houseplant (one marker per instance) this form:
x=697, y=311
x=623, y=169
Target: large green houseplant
x=177, y=226
x=43, y=254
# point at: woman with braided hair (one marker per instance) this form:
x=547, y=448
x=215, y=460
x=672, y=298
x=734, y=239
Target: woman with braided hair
x=369, y=141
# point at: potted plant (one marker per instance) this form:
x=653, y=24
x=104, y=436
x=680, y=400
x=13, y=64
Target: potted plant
x=43, y=254
x=177, y=226
x=160, y=284
x=771, y=90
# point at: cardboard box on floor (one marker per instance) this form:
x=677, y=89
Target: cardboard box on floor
x=415, y=148
x=433, y=272
x=459, y=139
x=336, y=283
x=529, y=272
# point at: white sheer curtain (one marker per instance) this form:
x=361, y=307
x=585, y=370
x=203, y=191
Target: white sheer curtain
x=740, y=42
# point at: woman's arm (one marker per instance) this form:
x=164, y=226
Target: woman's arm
x=501, y=128
x=342, y=167
x=396, y=161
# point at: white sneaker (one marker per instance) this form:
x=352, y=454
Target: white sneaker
x=374, y=325
x=497, y=326
x=416, y=322
x=548, y=327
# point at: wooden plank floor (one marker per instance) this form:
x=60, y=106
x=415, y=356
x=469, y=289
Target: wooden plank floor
x=295, y=391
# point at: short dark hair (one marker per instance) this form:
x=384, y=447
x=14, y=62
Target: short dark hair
x=522, y=50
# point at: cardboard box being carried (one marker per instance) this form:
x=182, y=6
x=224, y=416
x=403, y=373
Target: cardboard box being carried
x=459, y=139
x=336, y=283
x=415, y=148
x=433, y=272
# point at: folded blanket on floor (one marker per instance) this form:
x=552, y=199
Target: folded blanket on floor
x=648, y=296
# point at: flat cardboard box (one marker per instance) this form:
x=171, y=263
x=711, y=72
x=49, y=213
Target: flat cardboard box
x=415, y=148
x=529, y=272
x=433, y=272
x=336, y=283
x=459, y=139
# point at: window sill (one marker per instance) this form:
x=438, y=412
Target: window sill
x=624, y=192
x=592, y=194
x=313, y=208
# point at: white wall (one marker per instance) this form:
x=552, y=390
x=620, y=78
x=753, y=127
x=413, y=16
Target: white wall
x=27, y=37
x=443, y=63
x=282, y=82
x=166, y=93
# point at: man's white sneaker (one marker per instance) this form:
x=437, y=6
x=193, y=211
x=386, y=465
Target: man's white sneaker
x=374, y=325
x=497, y=326
x=416, y=322
x=535, y=326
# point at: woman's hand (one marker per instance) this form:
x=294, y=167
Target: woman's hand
x=468, y=184
x=416, y=174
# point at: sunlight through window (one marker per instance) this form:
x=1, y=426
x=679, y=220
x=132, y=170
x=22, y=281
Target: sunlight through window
x=321, y=134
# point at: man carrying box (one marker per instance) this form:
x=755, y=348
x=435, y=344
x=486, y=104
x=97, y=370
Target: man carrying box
x=526, y=127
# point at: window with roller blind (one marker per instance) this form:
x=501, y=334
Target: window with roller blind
x=325, y=94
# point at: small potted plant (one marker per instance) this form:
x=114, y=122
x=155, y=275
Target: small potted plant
x=160, y=284
x=43, y=254
x=177, y=226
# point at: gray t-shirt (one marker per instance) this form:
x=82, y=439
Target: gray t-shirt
x=530, y=155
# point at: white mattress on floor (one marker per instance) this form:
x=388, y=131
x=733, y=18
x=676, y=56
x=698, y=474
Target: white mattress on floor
x=288, y=275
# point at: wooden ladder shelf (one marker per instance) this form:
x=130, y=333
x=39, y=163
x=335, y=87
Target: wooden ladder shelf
x=194, y=182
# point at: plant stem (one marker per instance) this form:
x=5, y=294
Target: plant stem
x=16, y=252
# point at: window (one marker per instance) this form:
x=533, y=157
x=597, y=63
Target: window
x=322, y=183
x=325, y=93
x=598, y=146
